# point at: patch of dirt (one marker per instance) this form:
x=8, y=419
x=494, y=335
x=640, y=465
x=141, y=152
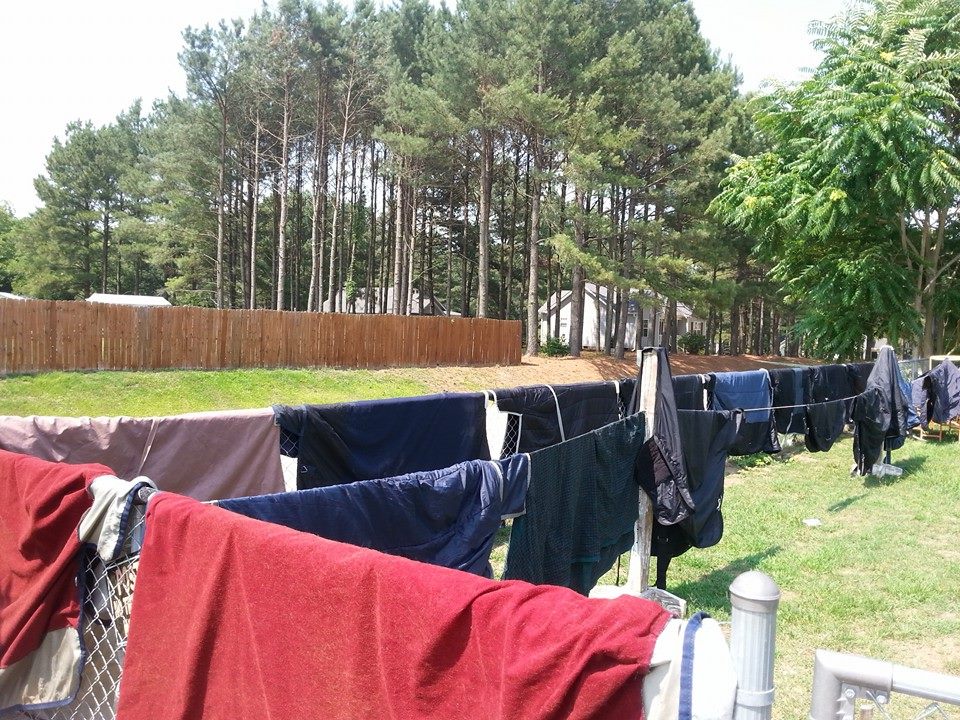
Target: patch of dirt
x=535, y=370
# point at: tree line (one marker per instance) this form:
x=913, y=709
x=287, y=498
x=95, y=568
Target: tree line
x=488, y=156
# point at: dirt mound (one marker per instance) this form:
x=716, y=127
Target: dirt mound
x=591, y=366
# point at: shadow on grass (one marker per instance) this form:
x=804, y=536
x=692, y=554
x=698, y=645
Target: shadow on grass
x=709, y=592
x=844, y=504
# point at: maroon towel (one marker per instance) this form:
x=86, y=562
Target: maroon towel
x=40, y=507
x=237, y=618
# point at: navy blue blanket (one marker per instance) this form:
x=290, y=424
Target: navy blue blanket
x=707, y=437
x=445, y=517
x=943, y=392
x=791, y=387
x=688, y=391
x=552, y=414
x=743, y=391
x=751, y=391
x=374, y=439
x=825, y=423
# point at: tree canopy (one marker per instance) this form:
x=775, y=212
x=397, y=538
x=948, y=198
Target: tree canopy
x=855, y=201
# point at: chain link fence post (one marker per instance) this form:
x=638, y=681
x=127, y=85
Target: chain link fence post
x=754, y=598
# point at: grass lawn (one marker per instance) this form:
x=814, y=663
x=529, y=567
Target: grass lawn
x=180, y=391
x=880, y=576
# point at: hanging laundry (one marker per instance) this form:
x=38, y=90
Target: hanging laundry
x=910, y=413
x=825, y=422
x=444, y=517
x=582, y=504
x=748, y=390
x=41, y=507
x=706, y=437
x=626, y=388
x=942, y=388
x=880, y=412
x=550, y=414
x=832, y=382
x=919, y=399
x=791, y=393
x=661, y=470
x=688, y=391
x=383, y=438
x=207, y=455
x=216, y=635
x=858, y=373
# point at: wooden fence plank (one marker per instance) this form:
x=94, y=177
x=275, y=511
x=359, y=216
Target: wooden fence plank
x=40, y=335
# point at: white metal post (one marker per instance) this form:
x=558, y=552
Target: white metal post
x=754, y=598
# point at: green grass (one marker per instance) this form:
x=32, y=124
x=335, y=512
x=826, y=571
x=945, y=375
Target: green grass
x=879, y=577
x=180, y=391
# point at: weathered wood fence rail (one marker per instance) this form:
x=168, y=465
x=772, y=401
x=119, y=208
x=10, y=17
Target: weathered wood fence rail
x=38, y=335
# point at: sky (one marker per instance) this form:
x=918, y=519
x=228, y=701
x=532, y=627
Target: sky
x=65, y=60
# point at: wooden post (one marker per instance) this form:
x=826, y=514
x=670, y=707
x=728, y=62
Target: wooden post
x=639, y=573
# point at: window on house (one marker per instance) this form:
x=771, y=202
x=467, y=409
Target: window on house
x=646, y=328
x=661, y=327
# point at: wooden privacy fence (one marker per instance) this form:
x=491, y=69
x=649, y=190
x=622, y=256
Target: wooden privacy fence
x=38, y=335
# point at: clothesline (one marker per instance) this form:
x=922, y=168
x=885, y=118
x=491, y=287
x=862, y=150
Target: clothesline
x=792, y=407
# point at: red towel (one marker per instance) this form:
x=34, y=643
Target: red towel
x=237, y=618
x=40, y=507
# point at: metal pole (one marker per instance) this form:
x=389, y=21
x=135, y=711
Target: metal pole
x=754, y=598
x=840, y=678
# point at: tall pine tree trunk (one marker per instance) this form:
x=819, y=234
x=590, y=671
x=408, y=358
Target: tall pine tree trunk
x=533, y=301
x=284, y=181
x=319, y=199
x=577, y=276
x=486, y=191
x=221, y=171
x=398, y=226
x=255, y=212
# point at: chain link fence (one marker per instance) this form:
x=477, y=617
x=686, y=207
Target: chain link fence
x=914, y=368
x=104, y=624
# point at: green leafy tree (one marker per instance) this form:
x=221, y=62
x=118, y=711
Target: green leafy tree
x=856, y=202
x=8, y=225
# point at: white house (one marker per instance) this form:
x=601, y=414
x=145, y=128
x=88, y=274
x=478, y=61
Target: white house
x=139, y=300
x=431, y=306
x=645, y=327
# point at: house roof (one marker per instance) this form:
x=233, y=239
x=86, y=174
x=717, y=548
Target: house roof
x=11, y=296
x=153, y=300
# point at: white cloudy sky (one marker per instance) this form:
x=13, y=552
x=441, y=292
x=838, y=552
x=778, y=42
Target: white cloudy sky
x=63, y=60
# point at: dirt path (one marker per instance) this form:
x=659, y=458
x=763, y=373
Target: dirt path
x=591, y=366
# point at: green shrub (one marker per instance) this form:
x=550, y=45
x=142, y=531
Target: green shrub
x=693, y=343
x=555, y=347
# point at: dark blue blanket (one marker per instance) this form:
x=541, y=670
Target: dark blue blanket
x=445, y=517
x=382, y=438
x=791, y=393
x=550, y=414
x=743, y=391
x=688, y=391
x=747, y=391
